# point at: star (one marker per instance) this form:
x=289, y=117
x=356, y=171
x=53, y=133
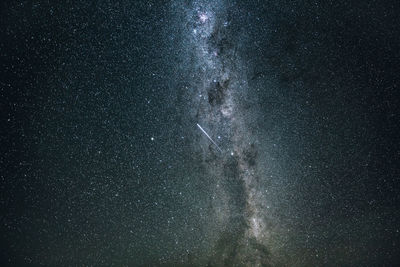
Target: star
x=203, y=17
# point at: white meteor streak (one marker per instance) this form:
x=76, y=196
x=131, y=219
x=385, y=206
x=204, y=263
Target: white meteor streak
x=209, y=137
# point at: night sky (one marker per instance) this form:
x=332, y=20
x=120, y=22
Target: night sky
x=200, y=133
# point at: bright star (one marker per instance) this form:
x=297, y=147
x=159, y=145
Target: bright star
x=203, y=17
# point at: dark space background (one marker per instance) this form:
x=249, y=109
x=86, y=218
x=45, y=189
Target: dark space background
x=97, y=165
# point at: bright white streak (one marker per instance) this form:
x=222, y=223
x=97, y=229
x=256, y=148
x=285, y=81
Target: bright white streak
x=209, y=137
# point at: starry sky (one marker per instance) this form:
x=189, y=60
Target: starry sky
x=199, y=133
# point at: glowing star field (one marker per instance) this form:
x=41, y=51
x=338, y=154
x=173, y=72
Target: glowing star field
x=199, y=133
